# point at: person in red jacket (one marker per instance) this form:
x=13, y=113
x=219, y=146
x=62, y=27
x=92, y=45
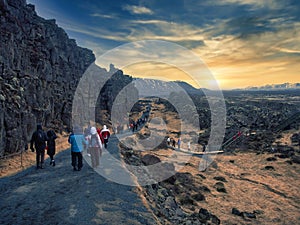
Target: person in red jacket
x=104, y=135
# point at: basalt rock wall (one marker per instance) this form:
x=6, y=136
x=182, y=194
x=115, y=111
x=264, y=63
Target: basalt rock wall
x=40, y=68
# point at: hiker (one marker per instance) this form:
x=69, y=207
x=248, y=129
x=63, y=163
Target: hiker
x=120, y=128
x=136, y=125
x=178, y=143
x=168, y=141
x=39, y=138
x=99, y=132
x=78, y=143
x=87, y=131
x=173, y=142
x=95, y=147
x=189, y=146
x=203, y=148
x=104, y=135
x=131, y=126
x=86, y=134
x=51, y=146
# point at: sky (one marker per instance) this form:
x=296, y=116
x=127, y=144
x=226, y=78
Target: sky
x=241, y=42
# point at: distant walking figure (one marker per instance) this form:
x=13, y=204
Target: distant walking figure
x=78, y=143
x=51, y=146
x=178, y=143
x=189, y=146
x=168, y=141
x=173, y=143
x=104, y=135
x=203, y=148
x=39, y=139
x=95, y=147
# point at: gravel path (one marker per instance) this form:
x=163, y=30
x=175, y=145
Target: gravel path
x=59, y=195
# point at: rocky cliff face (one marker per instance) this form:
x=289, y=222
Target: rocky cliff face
x=40, y=68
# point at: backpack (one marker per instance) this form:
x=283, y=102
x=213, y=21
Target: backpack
x=40, y=138
x=105, y=135
x=94, y=141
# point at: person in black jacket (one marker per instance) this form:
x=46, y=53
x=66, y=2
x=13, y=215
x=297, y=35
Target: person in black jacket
x=39, y=139
x=51, y=146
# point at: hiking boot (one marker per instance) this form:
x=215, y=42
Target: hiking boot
x=74, y=168
x=53, y=163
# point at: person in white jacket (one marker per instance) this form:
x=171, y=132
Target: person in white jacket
x=95, y=147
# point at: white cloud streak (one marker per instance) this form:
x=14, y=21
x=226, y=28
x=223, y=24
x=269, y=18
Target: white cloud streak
x=133, y=9
x=254, y=4
x=103, y=16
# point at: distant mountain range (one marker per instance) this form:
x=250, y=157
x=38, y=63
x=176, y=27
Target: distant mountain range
x=150, y=87
x=271, y=87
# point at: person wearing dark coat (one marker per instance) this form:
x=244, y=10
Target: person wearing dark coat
x=51, y=146
x=38, y=140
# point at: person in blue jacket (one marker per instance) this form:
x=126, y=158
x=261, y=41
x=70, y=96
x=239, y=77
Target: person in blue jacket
x=78, y=143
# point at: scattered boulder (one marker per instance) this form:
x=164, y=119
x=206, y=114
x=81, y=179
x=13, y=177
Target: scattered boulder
x=184, y=178
x=271, y=159
x=170, y=203
x=162, y=193
x=219, y=186
x=282, y=156
x=124, y=147
x=259, y=212
x=206, y=217
x=150, y=160
x=219, y=178
x=269, y=168
x=295, y=138
x=186, y=199
x=198, y=197
x=201, y=175
x=249, y=215
x=295, y=159
x=236, y=212
x=204, y=188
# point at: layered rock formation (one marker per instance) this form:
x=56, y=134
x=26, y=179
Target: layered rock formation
x=102, y=96
x=40, y=68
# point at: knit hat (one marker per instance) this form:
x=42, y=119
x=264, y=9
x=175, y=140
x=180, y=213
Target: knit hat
x=93, y=130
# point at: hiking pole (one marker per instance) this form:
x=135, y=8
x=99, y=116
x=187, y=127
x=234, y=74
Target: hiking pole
x=22, y=158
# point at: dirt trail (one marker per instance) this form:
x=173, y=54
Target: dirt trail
x=59, y=195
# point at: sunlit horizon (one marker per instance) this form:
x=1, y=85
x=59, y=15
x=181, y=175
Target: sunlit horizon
x=243, y=43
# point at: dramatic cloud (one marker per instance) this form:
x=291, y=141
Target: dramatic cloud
x=137, y=9
x=240, y=40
